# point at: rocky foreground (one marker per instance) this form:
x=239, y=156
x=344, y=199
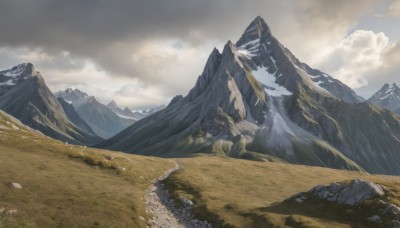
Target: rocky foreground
x=162, y=207
x=355, y=194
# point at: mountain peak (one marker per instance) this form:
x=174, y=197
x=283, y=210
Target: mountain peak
x=387, y=97
x=112, y=104
x=258, y=29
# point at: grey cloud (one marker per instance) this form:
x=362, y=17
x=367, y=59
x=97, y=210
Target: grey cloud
x=110, y=32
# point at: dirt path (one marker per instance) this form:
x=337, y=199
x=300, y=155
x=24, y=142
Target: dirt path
x=162, y=207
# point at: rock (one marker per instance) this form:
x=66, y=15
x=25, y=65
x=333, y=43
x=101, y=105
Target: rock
x=186, y=201
x=392, y=209
x=11, y=212
x=375, y=218
x=334, y=188
x=2, y=210
x=355, y=192
x=358, y=191
x=300, y=199
x=108, y=157
x=15, y=185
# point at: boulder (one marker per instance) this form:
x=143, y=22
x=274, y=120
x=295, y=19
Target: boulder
x=374, y=218
x=15, y=185
x=11, y=212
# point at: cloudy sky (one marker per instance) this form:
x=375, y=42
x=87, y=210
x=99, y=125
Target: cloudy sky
x=144, y=52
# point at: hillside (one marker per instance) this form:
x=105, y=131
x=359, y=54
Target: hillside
x=25, y=95
x=70, y=186
x=238, y=193
x=74, y=186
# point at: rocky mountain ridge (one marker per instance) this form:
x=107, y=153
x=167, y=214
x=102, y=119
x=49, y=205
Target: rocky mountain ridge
x=25, y=95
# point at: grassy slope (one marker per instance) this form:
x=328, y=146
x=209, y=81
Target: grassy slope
x=71, y=186
x=251, y=194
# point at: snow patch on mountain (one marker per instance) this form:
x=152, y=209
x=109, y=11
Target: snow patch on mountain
x=269, y=82
x=15, y=71
x=8, y=83
x=250, y=49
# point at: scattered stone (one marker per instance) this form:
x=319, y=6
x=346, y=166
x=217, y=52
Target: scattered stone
x=185, y=201
x=15, y=185
x=300, y=199
x=160, y=204
x=392, y=209
x=141, y=218
x=11, y=212
x=396, y=223
x=375, y=218
x=108, y=157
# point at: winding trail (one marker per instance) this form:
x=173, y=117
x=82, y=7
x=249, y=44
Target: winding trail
x=160, y=204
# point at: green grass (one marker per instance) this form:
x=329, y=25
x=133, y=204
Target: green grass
x=74, y=186
x=238, y=193
x=71, y=186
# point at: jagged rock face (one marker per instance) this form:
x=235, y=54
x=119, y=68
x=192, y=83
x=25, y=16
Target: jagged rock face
x=256, y=96
x=24, y=95
x=74, y=117
x=387, y=97
x=74, y=97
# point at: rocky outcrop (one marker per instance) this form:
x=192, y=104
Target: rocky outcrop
x=355, y=192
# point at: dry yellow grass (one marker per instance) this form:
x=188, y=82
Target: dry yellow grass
x=71, y=186
x=250, y=194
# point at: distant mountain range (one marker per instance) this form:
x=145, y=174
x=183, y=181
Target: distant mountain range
x=256, y=100
x=101, y=118
x=388, y=97
x=24, y=95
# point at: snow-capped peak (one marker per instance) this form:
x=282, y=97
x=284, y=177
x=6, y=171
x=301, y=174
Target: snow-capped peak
x=257, y=28
x=73, y=96
x=11, y=76
x=387, y=92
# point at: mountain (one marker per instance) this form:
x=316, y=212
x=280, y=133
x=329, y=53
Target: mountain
x=74, y=97
x=256, y=100
x=74, y=117
x=123, y=113
x=147, y=112
x=24, y=95
x=100, y=117
x=387, y=97
x=136, y=115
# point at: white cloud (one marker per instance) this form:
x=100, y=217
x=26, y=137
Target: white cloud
x=170, y=65
x=356, y=56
